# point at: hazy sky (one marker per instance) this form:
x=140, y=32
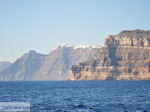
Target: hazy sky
x=42, y=25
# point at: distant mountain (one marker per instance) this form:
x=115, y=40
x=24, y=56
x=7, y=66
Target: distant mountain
x=4, y=65
x=54, y=66
x=24, y=68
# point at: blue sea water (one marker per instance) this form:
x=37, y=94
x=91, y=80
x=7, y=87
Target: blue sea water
x=79, y=96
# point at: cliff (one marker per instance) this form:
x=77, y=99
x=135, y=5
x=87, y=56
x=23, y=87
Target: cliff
x=125, y=56
x=58, y=61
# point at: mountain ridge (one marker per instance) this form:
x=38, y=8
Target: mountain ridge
x=52, y=66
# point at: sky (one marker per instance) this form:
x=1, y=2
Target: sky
x=42, y=25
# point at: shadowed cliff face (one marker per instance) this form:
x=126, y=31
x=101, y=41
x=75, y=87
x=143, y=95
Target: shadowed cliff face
x=125, y=56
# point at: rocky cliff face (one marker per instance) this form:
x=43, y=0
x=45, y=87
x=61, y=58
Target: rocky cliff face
x=54, y=66
x=125, y=56
x=58, y=61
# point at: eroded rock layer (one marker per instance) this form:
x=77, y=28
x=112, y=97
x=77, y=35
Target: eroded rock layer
x=125, y=56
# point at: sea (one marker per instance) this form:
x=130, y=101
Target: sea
x=79, y=96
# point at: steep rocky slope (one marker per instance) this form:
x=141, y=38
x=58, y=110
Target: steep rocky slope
x=54, y=66
x=125, y=56
x=24, y=68
x=4, y=65
x=60, y=60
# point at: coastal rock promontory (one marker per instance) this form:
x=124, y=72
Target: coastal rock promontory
x=125, y=56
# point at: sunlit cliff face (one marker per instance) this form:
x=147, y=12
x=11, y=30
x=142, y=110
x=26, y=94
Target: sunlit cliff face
x=125, y=56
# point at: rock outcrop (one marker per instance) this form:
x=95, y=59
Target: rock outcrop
x=125, y=56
